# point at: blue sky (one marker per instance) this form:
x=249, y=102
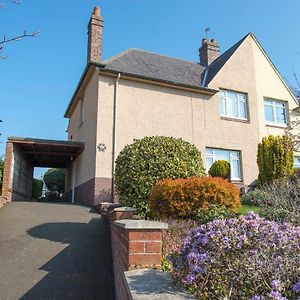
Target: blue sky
x=39, y=76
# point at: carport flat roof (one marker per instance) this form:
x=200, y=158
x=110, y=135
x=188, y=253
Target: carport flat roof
x=48, y=153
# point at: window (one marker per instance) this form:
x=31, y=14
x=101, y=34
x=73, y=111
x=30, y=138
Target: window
x=296, y=161
x=275, y=112
x=81, y=117
x=233, y=157
x=234, y=105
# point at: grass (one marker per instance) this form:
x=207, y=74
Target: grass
x=247, y=207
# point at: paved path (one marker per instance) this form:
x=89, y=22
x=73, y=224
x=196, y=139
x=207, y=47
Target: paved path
x=54, y=251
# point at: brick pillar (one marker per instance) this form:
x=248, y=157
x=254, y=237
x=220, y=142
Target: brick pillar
x=95, y=31
x=7, y=174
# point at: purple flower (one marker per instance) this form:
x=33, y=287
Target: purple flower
x=276, y=295
x=275, y=284
x=296, y=287
x=256, y=298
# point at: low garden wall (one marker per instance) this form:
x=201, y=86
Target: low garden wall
x=137, y=252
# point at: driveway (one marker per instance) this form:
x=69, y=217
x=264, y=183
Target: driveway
x=54, y=251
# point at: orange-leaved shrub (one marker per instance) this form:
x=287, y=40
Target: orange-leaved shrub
x=181, y=198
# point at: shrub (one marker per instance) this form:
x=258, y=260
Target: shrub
x=242, y=258
x=252, y=197
x=182, y=198
x=274, y=158
x=140, y=165
x=220, y=168
x=280, y=201
x=37, y=188
x=214, y=212
x=55, y=181
x=296, y=172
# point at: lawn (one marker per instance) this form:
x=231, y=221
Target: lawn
x=246, y=208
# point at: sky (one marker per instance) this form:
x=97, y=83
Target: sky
x=40, y=74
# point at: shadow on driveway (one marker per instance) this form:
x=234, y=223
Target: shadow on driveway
x=83, y=269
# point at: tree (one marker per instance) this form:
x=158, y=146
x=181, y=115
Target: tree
x=275, y=158
x=55, y=181
x=19, y=37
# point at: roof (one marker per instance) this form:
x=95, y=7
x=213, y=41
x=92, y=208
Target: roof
x=48, y=153
x=217, y=64
x=155, y=66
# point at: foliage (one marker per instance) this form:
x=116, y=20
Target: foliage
x=281, y=201
x=242, y=258
x=274, y=158
x=140, y=165
x=251, y=198
x=37, y=188
x=220, y=168
x=173, y=237
x=55, y=181
x=182, y=198
x=213, y=212
x=246, y=208
x=296, y=172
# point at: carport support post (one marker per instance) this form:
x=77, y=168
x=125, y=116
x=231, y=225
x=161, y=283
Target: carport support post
x=73, y=180
x=7, y=174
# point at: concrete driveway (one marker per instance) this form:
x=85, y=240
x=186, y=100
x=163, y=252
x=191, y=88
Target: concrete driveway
x=54, y=251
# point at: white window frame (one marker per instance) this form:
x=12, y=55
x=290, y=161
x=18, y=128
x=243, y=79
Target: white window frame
x=232, y=158
x=241, y=98
x=274, y=105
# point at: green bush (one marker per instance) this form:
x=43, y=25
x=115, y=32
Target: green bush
x=182, y=198
x=140, y=165
x=252, y=197
x=274, y=158
x=55, y=181
x=220, y=168
x=37, y=188
x=214, y=212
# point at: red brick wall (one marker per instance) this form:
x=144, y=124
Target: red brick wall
x=132, y=249
x=7, y=174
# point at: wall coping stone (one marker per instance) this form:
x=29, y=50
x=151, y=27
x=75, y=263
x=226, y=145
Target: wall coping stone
x=141, y=224
x=151, y=284
x=121, y=209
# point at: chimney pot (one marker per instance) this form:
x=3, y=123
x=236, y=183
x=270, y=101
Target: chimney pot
x=96, y=11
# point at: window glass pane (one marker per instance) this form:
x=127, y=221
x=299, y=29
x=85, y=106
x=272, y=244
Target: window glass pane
x=280, y=115
x=279, y=104
x=209, y=151
x=296, y=161
x=234, y=107
x=209, y=162
x=241, y=97
x=235, y=169
x=223, y=107
x=269, y=113
x=242, y=112
x=221, y=155
x=268, y=102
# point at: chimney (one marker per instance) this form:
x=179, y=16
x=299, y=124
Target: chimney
x=208, y=52
x=95, y=30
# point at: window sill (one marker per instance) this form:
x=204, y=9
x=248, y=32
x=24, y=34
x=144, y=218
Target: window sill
x=235, y=120
x=277, y=126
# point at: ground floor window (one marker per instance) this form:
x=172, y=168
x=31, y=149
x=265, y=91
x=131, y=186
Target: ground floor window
x=296, y=161
x=233, y=157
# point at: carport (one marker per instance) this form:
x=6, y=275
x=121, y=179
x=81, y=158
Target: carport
x=23, y=154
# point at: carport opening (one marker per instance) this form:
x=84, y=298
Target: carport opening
x=49, y=185
x=26, y=163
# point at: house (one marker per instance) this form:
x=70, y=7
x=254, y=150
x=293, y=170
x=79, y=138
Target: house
x=224, y=104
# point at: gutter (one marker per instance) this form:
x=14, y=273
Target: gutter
x=114, y=135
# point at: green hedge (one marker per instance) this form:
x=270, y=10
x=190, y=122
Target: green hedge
x=37, y=188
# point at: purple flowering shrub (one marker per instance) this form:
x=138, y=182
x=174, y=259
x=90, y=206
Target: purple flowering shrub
x=242, y=258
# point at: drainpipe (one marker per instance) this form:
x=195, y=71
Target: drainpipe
x=114, y=133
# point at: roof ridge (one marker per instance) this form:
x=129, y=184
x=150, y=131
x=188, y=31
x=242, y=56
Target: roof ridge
x=146, y=51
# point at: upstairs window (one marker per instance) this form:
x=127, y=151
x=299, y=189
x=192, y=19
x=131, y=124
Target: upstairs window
x=233, y=157
x=275, y=112
x=234, y=105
